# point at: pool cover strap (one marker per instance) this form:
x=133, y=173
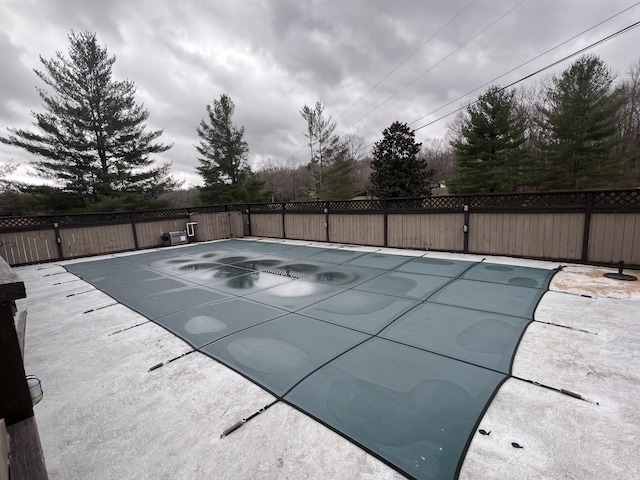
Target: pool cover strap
x=238, y=424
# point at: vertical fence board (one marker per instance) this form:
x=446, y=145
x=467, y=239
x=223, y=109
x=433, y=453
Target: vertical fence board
x=485, y=223
x=510, y=238
x=150, y=233
x=442, y=231
x=237, y=224
x=575, y=225
x=224, y=221
x=595, y=244
x=547, y=240
x=476, y=232
x=609, y=233
x=564, y=224
x=629, y=235
x=615, y=237
x=305, y=226
x=363, y=229
x=266, y=225
x=86, y=241
x=41, y=247
x=553, y=236
x=550, y=235
x=635, y=244
x=565, y=235
x=539, y=235
x=518, y=241
x=207, y=226
x=455, y=232
x=486, y=232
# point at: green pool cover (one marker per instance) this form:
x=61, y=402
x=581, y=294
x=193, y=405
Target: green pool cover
x=401, y=355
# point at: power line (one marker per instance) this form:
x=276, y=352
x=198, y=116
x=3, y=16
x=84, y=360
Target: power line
x=405, y=60
x=525, y=63
x=434, y=65
x=582, y=50
x=397, y=67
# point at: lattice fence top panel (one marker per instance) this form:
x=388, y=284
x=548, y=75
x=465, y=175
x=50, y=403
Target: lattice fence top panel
x=171, y=213
x=529, y=200
x=617, y=199
x=305, y=206
x=217, y=208
x=277, y=207
x=623, y=200
x=449, y=202
x=93, y=219
x=349, y=205
x=27, y=223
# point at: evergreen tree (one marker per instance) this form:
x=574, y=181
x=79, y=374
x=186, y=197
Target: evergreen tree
x=579, y=125
x=330, y=164
x=489, y=153
x=92, y=139
x=338, y=178
x=397, y=171
x=223, y=162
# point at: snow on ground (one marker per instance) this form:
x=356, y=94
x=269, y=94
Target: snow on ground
x=105, y=416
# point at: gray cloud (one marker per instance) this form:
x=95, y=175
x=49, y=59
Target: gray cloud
x=274, y=56
x=13, y=71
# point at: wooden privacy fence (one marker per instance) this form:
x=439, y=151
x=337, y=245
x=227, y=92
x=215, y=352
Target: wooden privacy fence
x=597, y=226
x=34, y=239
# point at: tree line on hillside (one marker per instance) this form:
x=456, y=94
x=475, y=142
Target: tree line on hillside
x=579, y=130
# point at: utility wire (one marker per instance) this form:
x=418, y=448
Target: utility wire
x=396, y=68
x=405, y=60
x=526, y=63
x=433, y=66
x=582, y=50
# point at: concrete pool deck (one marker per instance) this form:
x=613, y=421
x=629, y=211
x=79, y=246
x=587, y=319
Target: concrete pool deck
x=104, y=415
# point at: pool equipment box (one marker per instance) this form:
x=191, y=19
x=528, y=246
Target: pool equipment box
x=174, y=238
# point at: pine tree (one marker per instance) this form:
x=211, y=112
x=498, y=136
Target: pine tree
x=330, y=164
x=579, y=124
x=397, y=171
x=489, y=153
x=223, y=163
x=338, y=178
x=92, y=139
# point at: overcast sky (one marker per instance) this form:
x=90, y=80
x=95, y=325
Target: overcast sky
x=274, y=56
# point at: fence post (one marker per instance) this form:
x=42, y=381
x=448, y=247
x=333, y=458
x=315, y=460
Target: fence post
x=587, y=227
x=386, y=222
x=56, y=229
x=326, y=219
x=284, y=231
x=134, y=231
x=228, y=212
x=465, y=229
x=249, y=218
